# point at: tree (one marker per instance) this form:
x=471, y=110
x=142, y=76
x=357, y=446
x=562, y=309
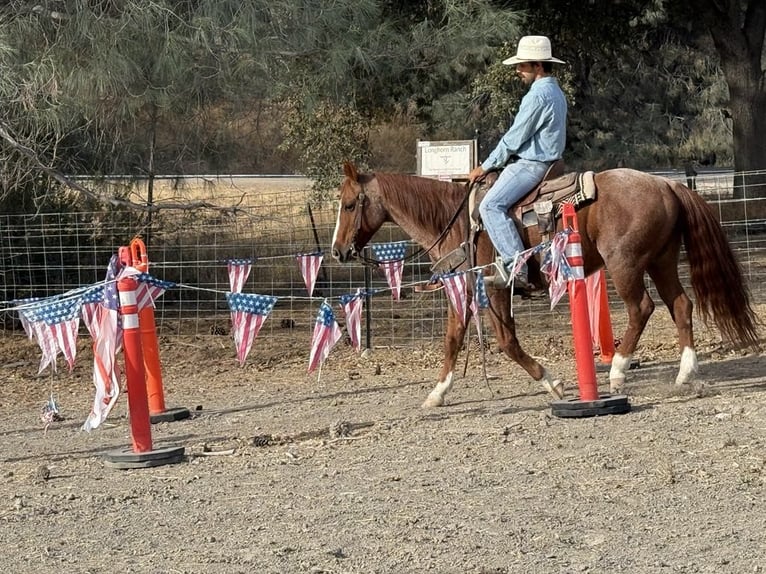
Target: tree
x=738, y=30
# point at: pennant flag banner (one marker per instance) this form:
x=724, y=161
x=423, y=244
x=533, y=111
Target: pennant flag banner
x=249, y=312
x=352, y=307
x=390, y=257
x=106, y=374
x=454, y=285
x=28, y=314
x=91, y=309
x=480, y=292
x=309, y=264
x=60, y=321
x=239, y=271
x=326, y=335
x=53, y=323
x=149, y=289
x=556, y=267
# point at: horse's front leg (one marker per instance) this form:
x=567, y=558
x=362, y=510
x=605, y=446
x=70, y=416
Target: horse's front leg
x=505, y=331
x=453, y=342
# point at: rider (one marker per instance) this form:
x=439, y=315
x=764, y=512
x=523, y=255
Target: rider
x=535, y=140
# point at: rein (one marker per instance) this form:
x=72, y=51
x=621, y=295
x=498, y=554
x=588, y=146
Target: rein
x=420, y=251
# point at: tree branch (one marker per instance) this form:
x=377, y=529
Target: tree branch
x=103, y=198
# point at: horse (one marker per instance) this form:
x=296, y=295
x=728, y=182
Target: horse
x=635, y=226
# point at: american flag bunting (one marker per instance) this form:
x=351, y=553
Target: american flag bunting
x=326, y=335
x=309, y=264
x=249, y=311
x=352, y=307
x=106, y=374
x=239, y=271
x=390, y=257
x=149, y=289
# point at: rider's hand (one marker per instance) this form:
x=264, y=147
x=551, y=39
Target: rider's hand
x=476, y=173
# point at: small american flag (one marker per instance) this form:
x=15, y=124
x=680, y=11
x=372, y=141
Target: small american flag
x=309, y=264
x=239, y=271
x=390, y=257
x=326, y=335
x=106, y=375
x=454, y=285
x=53, y=322
x=149, y=289
x=249, y=311
x=28, y=313
x=556, y=268
x=91, y=309
x=352, y=306
x=480, y=291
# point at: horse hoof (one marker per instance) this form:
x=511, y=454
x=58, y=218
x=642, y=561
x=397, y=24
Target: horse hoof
x=555, y=389
x=432, y=402
x=615, y=386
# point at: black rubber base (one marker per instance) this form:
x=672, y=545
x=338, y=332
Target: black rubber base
x=126, y=458
x=170, y=415
x=605, y=405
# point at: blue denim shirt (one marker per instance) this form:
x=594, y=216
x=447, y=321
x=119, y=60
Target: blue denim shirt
x=539, y=131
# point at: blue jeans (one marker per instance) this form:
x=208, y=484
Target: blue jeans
x=516, y=180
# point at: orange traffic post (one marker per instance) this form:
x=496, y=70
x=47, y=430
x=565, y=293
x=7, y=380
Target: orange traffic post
x=151, y=348
x=138, y=405
x=589, y=403
x=142, y=455
x=578, y=307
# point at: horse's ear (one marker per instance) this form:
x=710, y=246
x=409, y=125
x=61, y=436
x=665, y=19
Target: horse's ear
x=349, y=170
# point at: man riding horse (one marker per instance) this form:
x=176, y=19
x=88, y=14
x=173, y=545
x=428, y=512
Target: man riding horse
x=536, y=139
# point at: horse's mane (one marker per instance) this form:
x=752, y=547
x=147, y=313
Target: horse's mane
x=430, y=202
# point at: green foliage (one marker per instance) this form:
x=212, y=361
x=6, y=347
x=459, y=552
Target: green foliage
x=326, y=135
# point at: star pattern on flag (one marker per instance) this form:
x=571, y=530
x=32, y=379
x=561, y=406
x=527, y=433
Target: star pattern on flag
x=249, y=311
x=389, y=251
x=90, y=310
x=54, y=322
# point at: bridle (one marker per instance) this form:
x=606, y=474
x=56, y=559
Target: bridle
x=360, y=199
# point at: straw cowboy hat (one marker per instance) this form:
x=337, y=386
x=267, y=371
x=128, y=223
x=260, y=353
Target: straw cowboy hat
x=533, y=49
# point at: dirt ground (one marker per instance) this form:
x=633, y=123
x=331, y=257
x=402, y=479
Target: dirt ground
x=288, y=472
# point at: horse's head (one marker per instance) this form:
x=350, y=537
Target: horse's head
x=360, y=214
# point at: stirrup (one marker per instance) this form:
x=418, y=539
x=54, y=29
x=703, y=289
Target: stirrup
x=450, y=261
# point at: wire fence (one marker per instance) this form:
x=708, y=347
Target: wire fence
x=47, y=254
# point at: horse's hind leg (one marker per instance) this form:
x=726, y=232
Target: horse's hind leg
x=629, y=284
x=664, y=273
x=453, y=342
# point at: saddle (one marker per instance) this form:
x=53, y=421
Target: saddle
x=543, y=205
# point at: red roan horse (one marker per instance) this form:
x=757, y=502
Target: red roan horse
x=634, y=227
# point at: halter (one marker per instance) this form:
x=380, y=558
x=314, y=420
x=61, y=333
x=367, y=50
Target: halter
x=420, y=251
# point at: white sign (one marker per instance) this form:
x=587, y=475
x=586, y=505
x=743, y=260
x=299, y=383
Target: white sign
x=446, y=159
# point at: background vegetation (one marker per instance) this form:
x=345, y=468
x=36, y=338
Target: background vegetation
x=146, y=87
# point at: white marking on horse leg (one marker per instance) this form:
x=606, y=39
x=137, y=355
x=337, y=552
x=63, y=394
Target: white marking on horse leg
x=688, y=368
x=554, y=386
x=620, y=364
x=436, y=396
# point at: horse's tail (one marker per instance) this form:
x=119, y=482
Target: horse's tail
x=716, y=276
